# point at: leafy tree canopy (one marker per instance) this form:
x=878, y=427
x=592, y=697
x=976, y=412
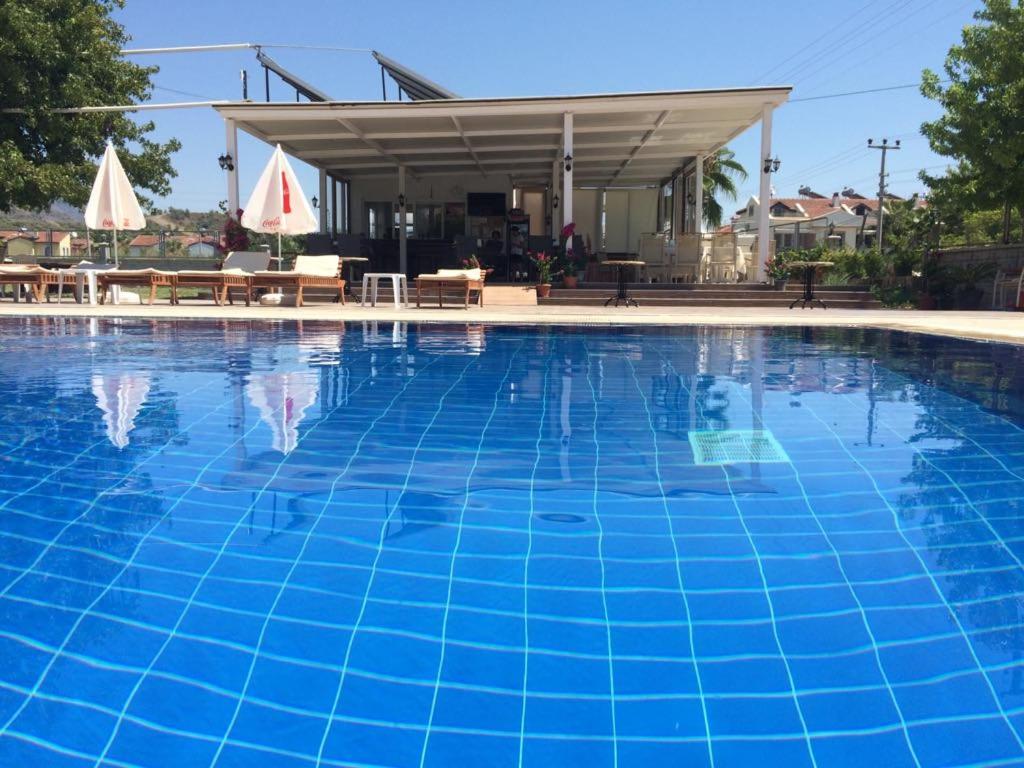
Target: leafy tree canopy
x=983, y=124
x=66, y=53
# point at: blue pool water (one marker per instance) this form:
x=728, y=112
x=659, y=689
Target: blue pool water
x=309, y=544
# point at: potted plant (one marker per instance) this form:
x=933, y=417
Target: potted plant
x=967, y=294
x=778, y=271
x=545, y=265
x=474, y=263
x=570, y=270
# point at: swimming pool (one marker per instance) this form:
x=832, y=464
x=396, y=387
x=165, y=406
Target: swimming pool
x=294, y=544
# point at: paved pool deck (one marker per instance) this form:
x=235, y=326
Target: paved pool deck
x=993, y=326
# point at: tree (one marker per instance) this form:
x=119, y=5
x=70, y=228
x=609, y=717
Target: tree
x=983, y=124
x=721, y=172
x=59, y=54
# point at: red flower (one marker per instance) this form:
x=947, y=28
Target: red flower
x=569, y=230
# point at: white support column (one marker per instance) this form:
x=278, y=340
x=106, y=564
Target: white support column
x=403, y=261
x=567, y=177
x=555, y=166
x=678, y=195
x=698, y=195
x=323, y=203
x=231, y=148
x=764, y=196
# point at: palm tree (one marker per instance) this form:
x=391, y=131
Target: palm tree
x=721, y=173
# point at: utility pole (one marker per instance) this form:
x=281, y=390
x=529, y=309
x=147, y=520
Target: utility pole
x=885, y=146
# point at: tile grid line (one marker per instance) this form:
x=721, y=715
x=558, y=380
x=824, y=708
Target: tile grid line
x=759, y=422
x=302, y=550
x=380, y=551
x=600, y=546
x=545, y=384
x=206, y=521
x=86, y=611
x=455, y=550
x=678, y=566
x=767, y=592
x=202, y=579
x=70, y=523
x=935, y=584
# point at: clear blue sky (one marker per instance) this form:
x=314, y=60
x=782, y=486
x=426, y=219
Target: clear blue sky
x=573, y=46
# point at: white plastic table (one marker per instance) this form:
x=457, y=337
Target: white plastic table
x=398, y=281
x=85, y=277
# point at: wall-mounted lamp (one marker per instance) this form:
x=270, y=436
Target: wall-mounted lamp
x=316, y=202
x=770, y=165
x=401, y=201
x=690, y=198
x=227, y=162
x=554, y=201
x=568, y=162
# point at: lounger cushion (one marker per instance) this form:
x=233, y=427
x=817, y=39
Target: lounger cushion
x=466, y=274
x=248, y=261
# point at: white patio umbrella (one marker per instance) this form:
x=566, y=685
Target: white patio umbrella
x=120, y=397
x=112, y=204
x=282, y=400
x=277, y=205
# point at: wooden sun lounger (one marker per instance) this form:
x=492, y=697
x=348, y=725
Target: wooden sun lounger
x=309, y=272
x=235, y=274
x=441, y=283
x=35, y=277
x=154, y=278
x=220, y=283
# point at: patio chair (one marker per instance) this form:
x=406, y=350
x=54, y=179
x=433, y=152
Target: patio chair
x=463, y=281
x=151, y=278
x=655, y=255
x=30, y=276
x=309, y=272
x=1007, y=288
x=234, y=274
x=688, y=263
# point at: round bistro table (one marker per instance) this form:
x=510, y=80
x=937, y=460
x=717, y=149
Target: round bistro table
x=621, y=293
x=810, y=268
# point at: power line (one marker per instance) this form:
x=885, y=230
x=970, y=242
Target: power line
x=813, y=65
x=852, y=17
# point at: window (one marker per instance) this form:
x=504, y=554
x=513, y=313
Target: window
x=429, y=220
x=454, y=220
x=377, y=215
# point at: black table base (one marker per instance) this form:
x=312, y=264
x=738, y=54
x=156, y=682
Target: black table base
x=621, y=295
x=808, y=297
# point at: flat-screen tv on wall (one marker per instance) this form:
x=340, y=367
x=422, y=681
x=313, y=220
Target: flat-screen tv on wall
x=485, y=203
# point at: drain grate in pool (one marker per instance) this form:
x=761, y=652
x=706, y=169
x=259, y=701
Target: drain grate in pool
x=736, y=446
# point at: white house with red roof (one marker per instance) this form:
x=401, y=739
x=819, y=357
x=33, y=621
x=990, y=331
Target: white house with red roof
x=802, y=222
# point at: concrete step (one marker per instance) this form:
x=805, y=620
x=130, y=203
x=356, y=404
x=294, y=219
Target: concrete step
x=778, y=300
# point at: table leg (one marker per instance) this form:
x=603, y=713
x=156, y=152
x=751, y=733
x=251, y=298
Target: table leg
x=90, y=284
x=362, y=294
x=60, y=286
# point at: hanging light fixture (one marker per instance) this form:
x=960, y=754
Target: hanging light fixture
x=554, y=201
x=316, y=202
x=226, y=162
x=401, y=201
x=772, y=165
x=568, y=162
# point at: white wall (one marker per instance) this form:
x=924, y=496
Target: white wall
x=586, y=212
x=629, y=213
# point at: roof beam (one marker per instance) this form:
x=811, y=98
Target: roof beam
x=647, y=137
x=469, y=147
x=368, y=142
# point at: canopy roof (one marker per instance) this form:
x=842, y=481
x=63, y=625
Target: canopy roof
x=618, y=139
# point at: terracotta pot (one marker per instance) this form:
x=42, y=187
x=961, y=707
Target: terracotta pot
x=570, y=281
x=780, y=283
x=543, y=290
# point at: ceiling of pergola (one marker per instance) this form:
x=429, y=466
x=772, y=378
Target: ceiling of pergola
x=618, y=139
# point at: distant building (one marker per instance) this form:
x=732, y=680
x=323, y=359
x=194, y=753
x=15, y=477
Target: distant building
x=26, y=244
x=803, y=222
x=149, y=246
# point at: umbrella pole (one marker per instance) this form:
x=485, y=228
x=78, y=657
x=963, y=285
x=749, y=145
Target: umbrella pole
x=88, y=243
x=280, y=256
x=115, y=248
